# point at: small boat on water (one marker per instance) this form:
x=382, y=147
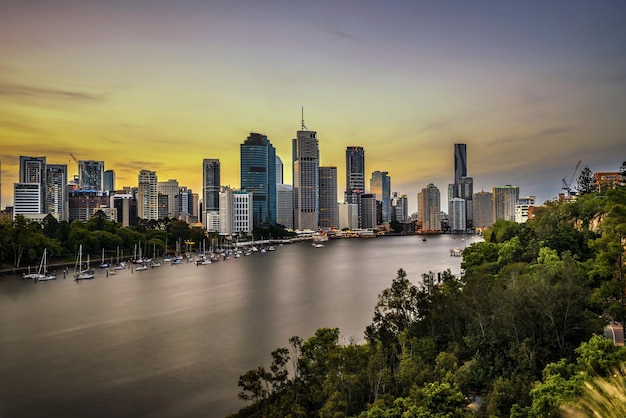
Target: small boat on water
x=141, y=267
x=81, y=273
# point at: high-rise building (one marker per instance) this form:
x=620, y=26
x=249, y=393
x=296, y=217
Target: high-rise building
x=348, y=216
x=258, y=176
x=91, y=175
x=26, y=199
x=367, y=211
x=210, y=188
x=521, y=208
x=457, y=214
x=429, y=208
x=463, y=185
x=329, y=212
x=185, y=204
x=504, y=201
x=305, y=159
x=33, y=171
x=170, y=189
x=126, y=208
x=235, y=212
x=399, y=207
x=109, y=181
x=56, y=191
x=279, y=171
x=483, y=209
x=380, y=185
x=355, y=170
x=460, y=162
x=284, y=205
x=147, y=195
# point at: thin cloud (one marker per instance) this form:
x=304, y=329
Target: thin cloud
x=543, y=134
x=26, y=91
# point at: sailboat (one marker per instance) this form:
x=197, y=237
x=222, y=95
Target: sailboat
x=120, y=264
x=42, y=273
x=79, y=272
x=154, y=263
x=142, y=264
x=103, y=264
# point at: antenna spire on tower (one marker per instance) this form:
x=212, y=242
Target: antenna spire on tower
x=303, y=127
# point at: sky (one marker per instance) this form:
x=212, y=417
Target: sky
x=531, y=87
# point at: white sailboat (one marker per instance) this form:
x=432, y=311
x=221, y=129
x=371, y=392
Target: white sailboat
x=43, y=274
x=79, y=272
x=103, y=264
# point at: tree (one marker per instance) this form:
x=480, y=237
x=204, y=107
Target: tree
x=622, y=169
x=397, y=308
x=586, y=182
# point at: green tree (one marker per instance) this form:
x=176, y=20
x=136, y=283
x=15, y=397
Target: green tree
x=586, y=183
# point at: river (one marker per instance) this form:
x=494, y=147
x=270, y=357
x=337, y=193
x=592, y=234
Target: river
x=173, y=341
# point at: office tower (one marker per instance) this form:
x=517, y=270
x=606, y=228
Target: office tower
x=126, y=207
x=83, y=204
x=235, y=211
x=26, y=199
x=483, y=209
x=355, y=169
x=163, y=206
x=457, y=214
x=170, y=189
x=504, y=200
x=521, y=208
x=284, y=205
x=91, y=175
x=305, y=160
x=279, y=171
x=33, y=171
x=258, y=176
x=185, y=203
x=399, y=207
x=380, y=185
x=329, y=212
x=429, y=208
x=460, y=162
x=109, y=181
x=348, y=216
x=463, y=185
x=56, y=202
x=147, y=195
x=367, y=211
x=210, y=188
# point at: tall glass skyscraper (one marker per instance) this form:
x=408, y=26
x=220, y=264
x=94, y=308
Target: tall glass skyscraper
x=429, y=208
x=329, y=210
x=380, y=185
x=210, y=187
x=460, y=162
x=258, y=176
x=306, y=164
x=91, y=175
x=355, y=170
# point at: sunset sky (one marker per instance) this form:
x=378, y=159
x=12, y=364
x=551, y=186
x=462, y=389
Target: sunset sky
x=531, y=87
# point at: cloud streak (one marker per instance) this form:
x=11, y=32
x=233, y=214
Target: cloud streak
x=543, y=134
x=28, y=91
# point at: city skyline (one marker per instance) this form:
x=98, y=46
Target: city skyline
x=530, y=88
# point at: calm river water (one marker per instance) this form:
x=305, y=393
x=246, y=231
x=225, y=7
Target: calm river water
x=173, y=341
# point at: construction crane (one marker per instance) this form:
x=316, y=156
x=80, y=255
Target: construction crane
x=567, y=185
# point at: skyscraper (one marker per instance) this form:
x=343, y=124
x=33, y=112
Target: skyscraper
x=210, y=188
x=504, y=201
x=170, y=189
x=91, y=175
x=284, y=205
x=147, y=195
x=483, y=209
x=56, y=202
x=429, y=208
x=258, y=176
x=355, y=170
x=279, y=171
x=460, y=162
x=33, y=171
x=380, y=185
x=305, y=159
x=329, y=211
x=109, y=181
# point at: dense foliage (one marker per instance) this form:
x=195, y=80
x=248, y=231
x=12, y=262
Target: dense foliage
x=517, y=335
